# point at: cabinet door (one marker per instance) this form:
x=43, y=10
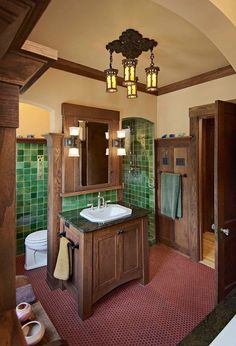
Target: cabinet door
x=105, y=261
x=130, y=250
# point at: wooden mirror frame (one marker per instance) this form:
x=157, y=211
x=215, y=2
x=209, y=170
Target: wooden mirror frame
x=71, y=114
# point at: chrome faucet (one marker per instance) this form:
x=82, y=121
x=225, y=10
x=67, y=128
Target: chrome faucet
x=101, y=201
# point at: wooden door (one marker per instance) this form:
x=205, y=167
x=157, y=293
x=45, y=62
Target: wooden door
x=225, y=196
x=105, y=261
x=130, y=250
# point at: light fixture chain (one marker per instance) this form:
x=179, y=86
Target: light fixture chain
x=152, y=58
x=111, y=60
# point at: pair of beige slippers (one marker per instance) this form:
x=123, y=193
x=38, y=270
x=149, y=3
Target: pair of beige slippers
x=33, y=330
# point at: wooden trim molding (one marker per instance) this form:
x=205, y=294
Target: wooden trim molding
x=54, y=145
x=82, y=70
x=199, y=79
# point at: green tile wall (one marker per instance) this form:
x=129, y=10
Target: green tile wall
x=138, y=169
x=81, y=201
x=31, y=193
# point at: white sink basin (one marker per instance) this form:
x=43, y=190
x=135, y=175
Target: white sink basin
x=105, y=214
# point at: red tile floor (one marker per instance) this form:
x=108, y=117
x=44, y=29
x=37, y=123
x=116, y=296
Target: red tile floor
x=180, y=294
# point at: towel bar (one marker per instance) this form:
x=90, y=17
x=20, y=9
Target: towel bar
x=182, y=175
x=70, y=244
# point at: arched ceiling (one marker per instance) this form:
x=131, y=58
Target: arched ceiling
x=214, y=18
x=80, y=30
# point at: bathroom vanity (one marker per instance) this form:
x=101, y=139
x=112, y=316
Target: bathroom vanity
x=105, y=255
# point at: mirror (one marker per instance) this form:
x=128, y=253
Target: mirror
x=94, y=161
x=93, y=169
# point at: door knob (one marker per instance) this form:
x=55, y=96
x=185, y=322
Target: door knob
x=213, y=227
x=225, y=231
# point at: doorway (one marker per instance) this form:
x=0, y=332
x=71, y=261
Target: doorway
x=206, y=187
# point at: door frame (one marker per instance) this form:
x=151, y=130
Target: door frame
x=196, y=115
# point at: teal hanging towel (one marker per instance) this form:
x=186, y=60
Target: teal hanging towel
x=171, y=195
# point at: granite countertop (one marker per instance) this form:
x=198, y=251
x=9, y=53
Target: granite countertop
x=83, y=225
x=213, y=324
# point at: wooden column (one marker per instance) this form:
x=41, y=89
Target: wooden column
x=9, y=115
x=54, y=144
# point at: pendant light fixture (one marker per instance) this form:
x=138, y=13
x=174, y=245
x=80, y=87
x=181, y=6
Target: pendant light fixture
x=152, y=75
x=111, y=77
x=129, y=71
x=131, y=44
x=132, y=90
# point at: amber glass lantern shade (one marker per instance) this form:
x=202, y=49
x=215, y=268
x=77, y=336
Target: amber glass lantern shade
x=152, y=78
x=132, y=91
x=129, y=71
x=111, y=80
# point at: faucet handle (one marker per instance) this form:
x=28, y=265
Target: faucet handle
x=106, y=202
x=90, y=205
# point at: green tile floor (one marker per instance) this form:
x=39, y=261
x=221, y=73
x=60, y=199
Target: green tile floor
x=31, y=192
x=138, y=169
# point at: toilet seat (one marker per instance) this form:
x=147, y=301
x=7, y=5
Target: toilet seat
x=37, y=240
x=36, y=250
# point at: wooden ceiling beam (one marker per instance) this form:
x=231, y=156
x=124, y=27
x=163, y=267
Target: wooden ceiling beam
x=199, y=79
x=89, y=72
x=82, y=70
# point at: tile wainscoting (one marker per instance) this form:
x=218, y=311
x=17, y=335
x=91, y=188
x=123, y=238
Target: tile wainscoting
x=138, y=169
x=31, y=191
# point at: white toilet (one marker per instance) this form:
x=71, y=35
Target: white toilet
x=36, y=250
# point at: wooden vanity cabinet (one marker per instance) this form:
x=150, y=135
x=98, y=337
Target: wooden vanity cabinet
x=116, y=257
x=106, y=258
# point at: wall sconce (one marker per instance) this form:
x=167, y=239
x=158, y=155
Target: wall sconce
x=119, y=143
x=72, y=141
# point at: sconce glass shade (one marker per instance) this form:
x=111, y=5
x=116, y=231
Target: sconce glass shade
x=129, y=71
x=73, y=152
x=121, y=152
x=74, y=131
x=107, y=151
x=121, y=133
x=132, y=91
x=111, y=80
x=152, y=78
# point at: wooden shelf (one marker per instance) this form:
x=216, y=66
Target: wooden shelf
x=31, y=140
x=175, y=138
x=85, y=192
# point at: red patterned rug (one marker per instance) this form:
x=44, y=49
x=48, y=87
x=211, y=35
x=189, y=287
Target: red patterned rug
x=180, y=294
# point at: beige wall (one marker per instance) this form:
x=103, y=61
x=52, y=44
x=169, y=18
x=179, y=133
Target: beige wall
x=56, y=87
x=173, y=108
x=33, y=120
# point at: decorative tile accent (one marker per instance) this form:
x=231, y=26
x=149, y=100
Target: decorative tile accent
x=138, y=169
x=81, y=201
x=31, y=193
